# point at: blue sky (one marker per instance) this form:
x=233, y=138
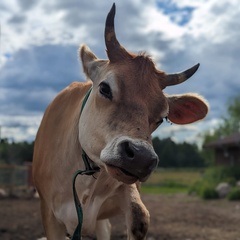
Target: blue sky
x=40, y=40
x=181, y=15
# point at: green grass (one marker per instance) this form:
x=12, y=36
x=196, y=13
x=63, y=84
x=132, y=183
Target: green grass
x=170, y=181
x=163, y=190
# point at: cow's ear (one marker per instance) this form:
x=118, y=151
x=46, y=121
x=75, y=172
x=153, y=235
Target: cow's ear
x=91, y=64
x=186, y=108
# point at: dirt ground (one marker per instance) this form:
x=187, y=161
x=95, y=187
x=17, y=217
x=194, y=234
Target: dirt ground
x=176, y=217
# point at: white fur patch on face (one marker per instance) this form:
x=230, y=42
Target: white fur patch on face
x=111, y=151
x=111, y=81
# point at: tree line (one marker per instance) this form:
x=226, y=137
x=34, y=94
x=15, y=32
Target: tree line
x=177, y=155
x=170, y=153
x=15, y=153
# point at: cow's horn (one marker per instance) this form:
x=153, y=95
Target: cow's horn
x=114, y=49
x=174, y=79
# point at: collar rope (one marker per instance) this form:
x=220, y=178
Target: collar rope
x=89, y=170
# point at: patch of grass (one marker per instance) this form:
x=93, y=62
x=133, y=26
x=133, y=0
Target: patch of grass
x=170, y=181
x=183, y=176
x=163, y=190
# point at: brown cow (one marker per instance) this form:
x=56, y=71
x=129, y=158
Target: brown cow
x=125, y=106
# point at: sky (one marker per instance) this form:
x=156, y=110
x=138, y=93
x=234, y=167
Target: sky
x=39, y=44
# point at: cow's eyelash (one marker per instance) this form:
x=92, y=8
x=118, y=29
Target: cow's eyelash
x=162, y=120
x=105, y=90
x=159, y=122
x=168, y=121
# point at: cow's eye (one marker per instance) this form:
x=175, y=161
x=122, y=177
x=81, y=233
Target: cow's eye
x=105, y=90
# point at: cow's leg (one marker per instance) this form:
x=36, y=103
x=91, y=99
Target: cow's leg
x=53, y=229
x=137, y=221
x=103, y=229
x=136, y=215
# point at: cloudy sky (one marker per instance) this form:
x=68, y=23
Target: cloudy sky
x=39, y=42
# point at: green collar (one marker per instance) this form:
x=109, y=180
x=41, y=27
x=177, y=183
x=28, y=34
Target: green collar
x=84, y=155
x=89, y=170
x=85, y=99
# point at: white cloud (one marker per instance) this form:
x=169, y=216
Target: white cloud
x=214, y=19
x=39, y=41
x=20, y=127
x=156, y=21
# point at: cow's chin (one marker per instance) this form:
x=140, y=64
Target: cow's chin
x=121, y=175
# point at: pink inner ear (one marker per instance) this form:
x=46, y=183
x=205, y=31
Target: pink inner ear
x=186, y=109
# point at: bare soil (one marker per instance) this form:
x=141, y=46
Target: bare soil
x=176, y=217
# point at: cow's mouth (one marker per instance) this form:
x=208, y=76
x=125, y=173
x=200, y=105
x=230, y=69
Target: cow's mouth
x=127, y=173
x=122, y=174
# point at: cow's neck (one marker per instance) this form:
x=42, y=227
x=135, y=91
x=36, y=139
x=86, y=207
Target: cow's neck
x=90, y=169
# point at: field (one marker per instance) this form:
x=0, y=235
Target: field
x=171, y=181
x=174, y=216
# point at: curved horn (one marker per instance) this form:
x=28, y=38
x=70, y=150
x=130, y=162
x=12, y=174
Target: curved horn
x=114, y=49
x=174, y=79
x=110, y=36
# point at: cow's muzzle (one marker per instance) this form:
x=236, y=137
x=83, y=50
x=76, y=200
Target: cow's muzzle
x=129, y=160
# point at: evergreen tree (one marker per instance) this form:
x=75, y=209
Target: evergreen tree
x=230, y=125
x=172, y=155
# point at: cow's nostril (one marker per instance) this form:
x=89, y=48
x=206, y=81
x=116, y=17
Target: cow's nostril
x=128, y=150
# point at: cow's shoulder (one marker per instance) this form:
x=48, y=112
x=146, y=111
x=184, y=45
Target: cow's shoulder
x=68, y=101
x=72, y=94
x=62, y=115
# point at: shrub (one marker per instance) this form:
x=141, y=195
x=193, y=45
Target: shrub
x=234, y=194
x=172, y=184
x=231, y=181
x=208, y=192
x=205, y=188
x=195, y=187
x=222, y=174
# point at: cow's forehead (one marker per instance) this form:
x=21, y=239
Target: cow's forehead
x=135, y=79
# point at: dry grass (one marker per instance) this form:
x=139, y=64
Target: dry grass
x=183, y=176
x=170, y=181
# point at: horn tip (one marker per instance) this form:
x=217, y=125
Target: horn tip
x=110, y=16
x=193, y=69
x=197, y=66
x=113, y=9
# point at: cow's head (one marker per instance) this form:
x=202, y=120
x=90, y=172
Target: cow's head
x=126, y=105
